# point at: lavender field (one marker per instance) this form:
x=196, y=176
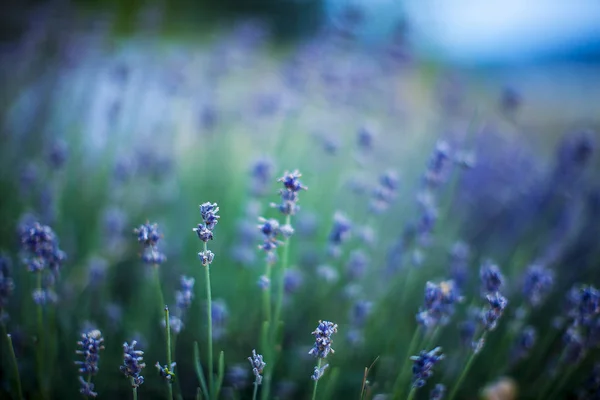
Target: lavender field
x=225, y=215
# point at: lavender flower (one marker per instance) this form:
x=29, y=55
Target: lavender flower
x=438, y=303
x=365, y=138
x=340, y=232
x=322, y=334
x=292, y=280
x=585, y=304
x=438, y=392
x=466, y=330
x=327, y=273
x=385, y=192
x=166, y=371
x=423, y=365
x=438, y=165
x=523, y=343
x=257, y=363
x=271, y=231
x=6, y=284
x=220, y=315
x=87, y=388
x=357, y=264
x=40, y=245
x=91, y=344
x=185, y=296
x=58, y=153
x=537, y=283
x=210, y=219
x=149, y=236
x=318, y=373
x=459, y=260
x=237, y=376
x=262, y=173
x=491, y=277
x=133, y=364
x=289, y=195
x=497, y=304
x=360, y=311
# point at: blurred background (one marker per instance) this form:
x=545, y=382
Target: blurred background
x=117, y=112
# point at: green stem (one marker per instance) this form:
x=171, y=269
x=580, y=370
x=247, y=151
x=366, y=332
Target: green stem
x=209, y=316
x=169, y=357
x=463, y=374
x=565, y=376
x=411, y=394
x=398, y=388
x=314, y=395
x=255, y=391
x=15, y=365
x=199, y=371
x=133, y=388
x=274, y=325
x=41, y=348
x=284, y=264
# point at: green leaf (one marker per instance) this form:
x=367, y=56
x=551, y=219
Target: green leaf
x=199, y=371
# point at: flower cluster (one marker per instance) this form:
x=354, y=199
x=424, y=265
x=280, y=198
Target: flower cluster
x=497, y=304
x=491, y=277
x=423, y=365
x=149, y=236
x=438, y=392
x=537, y=284
x=322, y=334
x=257, y=363
x=133, y=364
x=583, y=332
x=166, y=371
x=289, y=194
x=318, y=372
x=271, y=231
x=91, y=344
x=208, y=212
x=340, y=232
x=261, y=174
x=437, y=168
x=40, y=246
x=41, y=255
x=523, y=343
x=459, y=262
x=183, y=298
x=385, y=192
x=438, y=304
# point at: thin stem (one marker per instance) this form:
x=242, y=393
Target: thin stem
x=209, y=316
x=463, y=374
x=398, y=388
x=565, y=376
x=133, y=388
x=11, y=349
x=41, y=348
x=284, y=264
x=255, y=391
x=314, y=395
x=169, y=358
x=274, y=325
x=411, y=394
x=267, y=293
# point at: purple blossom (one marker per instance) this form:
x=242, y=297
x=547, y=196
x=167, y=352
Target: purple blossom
x=323, y=341
x=491, y=277
x=497, y=304
x=423, y=366
x=537, y=283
